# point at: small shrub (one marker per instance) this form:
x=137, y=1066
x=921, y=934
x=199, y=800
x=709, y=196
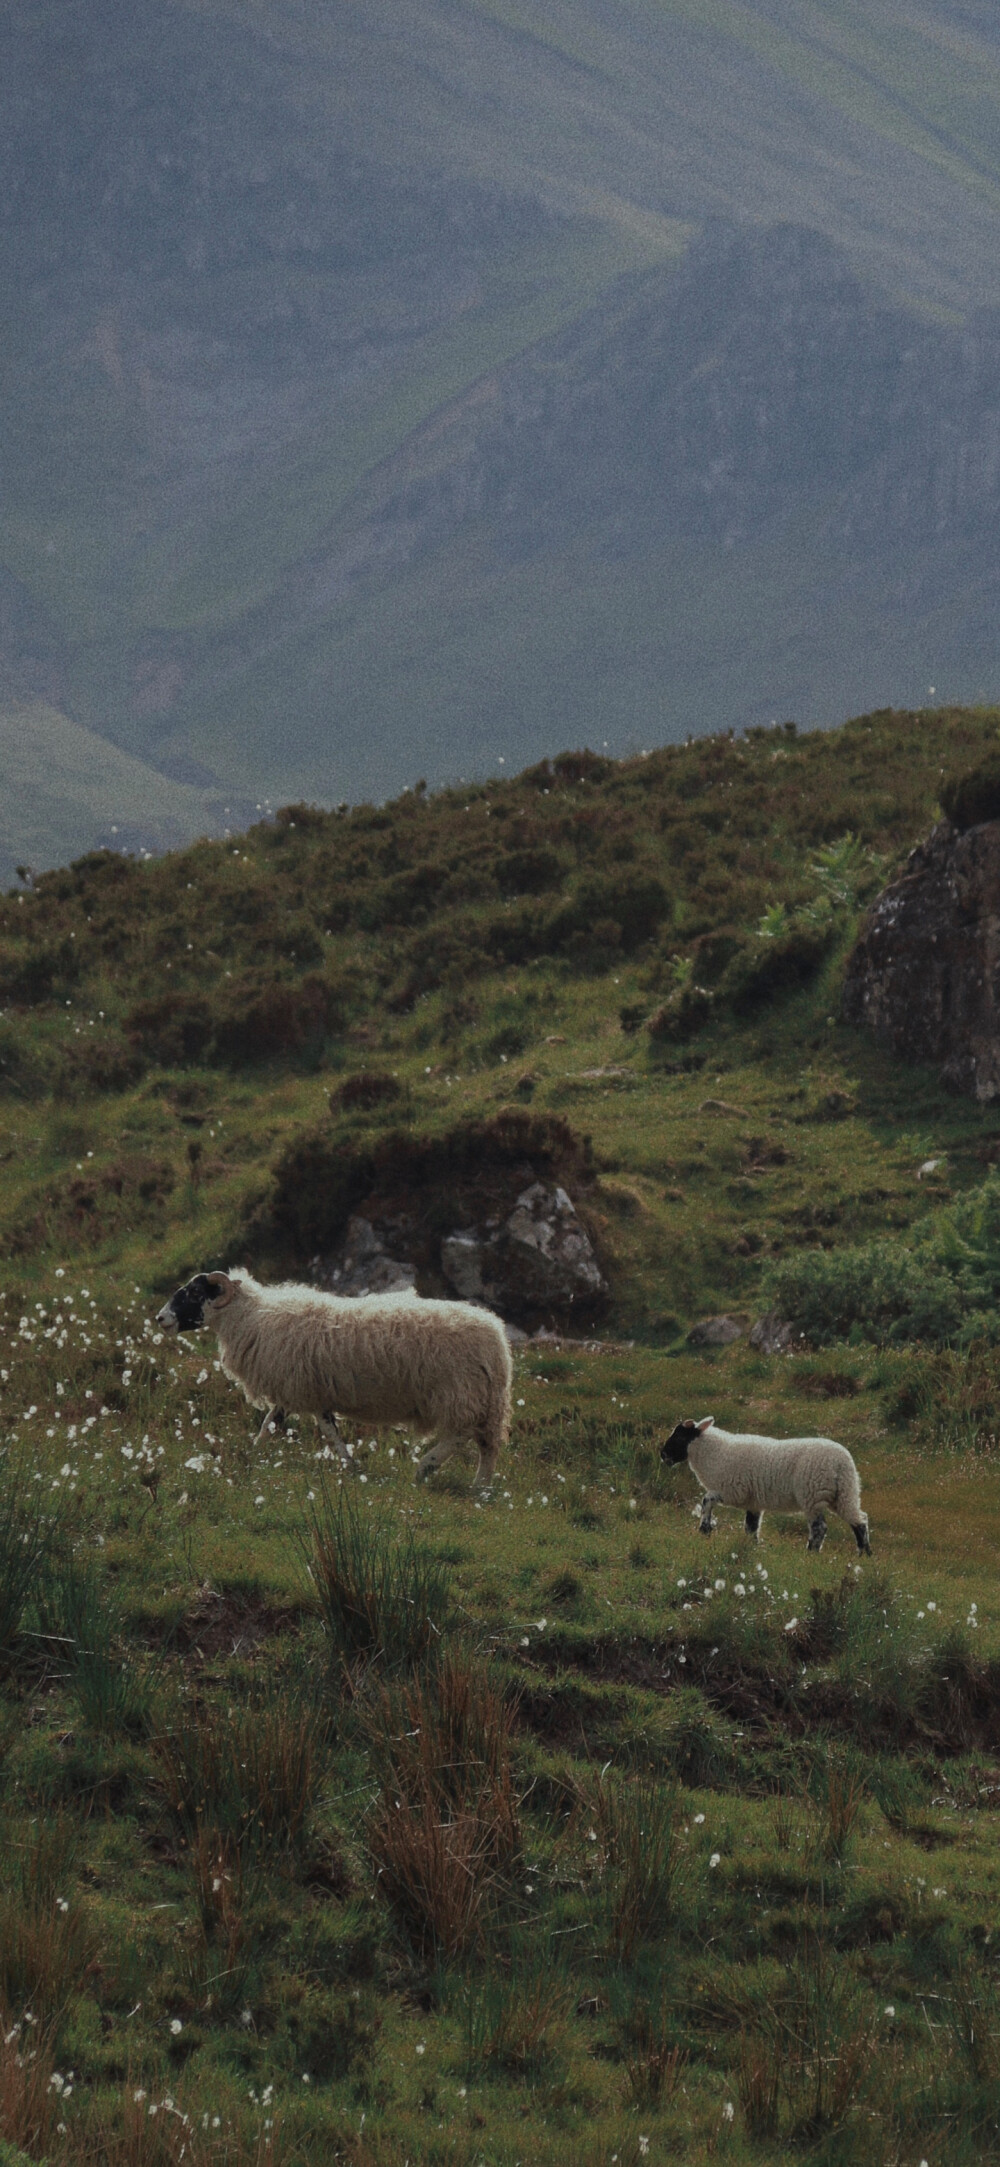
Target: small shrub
x=174, y=1028
x=775, y=963
x=969, y=799
x=368, y=1089
x=263, y=1018
x=881, y=1292
x=682, y=1017
x=382, y=1597
x=698, y=1740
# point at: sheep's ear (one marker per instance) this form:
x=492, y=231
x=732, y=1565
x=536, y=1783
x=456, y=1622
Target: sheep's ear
x=705, y=1424
x=223, y=1289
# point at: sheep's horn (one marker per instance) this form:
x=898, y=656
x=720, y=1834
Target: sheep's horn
x=225, y=1287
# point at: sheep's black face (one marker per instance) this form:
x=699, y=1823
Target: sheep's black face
x=185, y=1311
x=676, y=1448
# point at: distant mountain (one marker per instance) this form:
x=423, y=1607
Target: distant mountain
x=390, y=389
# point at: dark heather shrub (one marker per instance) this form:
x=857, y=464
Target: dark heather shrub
x=172, y=1027
x=765, y=969
x=368, y=1089
x=974, y=797
x=262, y=1018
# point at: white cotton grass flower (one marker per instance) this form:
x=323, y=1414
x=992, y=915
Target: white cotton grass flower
x=716, y=1858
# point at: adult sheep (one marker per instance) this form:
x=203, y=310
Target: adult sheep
x=380, y=1358
x=797, y=1474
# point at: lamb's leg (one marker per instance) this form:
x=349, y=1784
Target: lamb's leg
x=329, y=1429
x=706, y=1522
x=437, y=1456
x=861, y=1536
x=752, y=1523
x=817, y=1532
x=275, y=1415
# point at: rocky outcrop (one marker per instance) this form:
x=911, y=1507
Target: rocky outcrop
x=535, y=1261
x=539, y=1258
x=925, y=973
x=773, y=1334
x=365, y=1265
x=716, y=1332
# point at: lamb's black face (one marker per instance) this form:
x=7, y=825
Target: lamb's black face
x=676, y=1448
x=185, y=1311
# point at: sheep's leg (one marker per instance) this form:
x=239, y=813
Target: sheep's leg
x=275, y=1416
x=489, y=1454
x=861, y=1536
x=752, y=1523
x=706, y=1522
x=437, y=1456
x=817, y=1532
x=329, y=1428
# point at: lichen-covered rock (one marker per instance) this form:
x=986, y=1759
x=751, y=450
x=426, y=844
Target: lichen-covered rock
x=773, y=1334
x=363, y=1264
x=716, y=1332
x=925, y=973
x=540, y=1258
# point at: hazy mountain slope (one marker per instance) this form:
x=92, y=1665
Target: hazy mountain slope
x=66, y=790
x=259, y=266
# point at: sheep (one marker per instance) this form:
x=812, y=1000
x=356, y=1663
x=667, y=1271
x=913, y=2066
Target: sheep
x=794, y=1474
x=379, y=1358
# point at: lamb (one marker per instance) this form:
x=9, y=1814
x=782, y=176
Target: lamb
x=796, y=1474
x=381, y=1358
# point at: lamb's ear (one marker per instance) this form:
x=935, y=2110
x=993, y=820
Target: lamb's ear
x=705, y=1424
x=223, y=1289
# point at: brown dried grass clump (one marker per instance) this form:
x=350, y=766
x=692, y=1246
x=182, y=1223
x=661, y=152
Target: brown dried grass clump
x=445, y=1832
x=248, y=1777
x=27, y=2100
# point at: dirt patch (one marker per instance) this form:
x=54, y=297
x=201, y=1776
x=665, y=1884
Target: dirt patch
x=231, y=1623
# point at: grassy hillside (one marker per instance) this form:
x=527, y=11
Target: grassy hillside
x=348, y=1820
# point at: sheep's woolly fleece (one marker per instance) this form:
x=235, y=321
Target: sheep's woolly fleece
x=443, y=1366
x=794, y=1474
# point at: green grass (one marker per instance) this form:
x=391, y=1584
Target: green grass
x=594, y=1836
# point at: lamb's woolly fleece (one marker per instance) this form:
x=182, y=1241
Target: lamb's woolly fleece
x=443, y=1366
x=763, y=1474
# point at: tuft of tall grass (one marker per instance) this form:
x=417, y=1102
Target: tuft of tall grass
x=26, y=1535
x=46, y=1942
x=445, y=1830
x=111, y=1683
x=382, y=1597
x=655, y=2060
x=28, y=2103
x=512, y=2014
x=636, y=1823
x=839, y=1786
x=244, y=1778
